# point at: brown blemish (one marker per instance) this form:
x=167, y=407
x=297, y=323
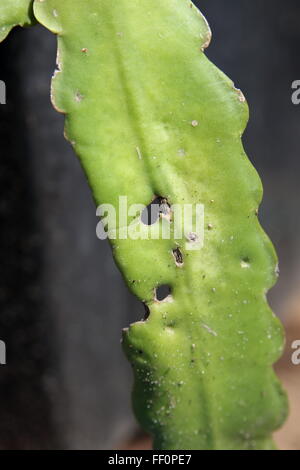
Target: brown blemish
x=192, y=237
x=78, y=97
x=241, y=96
x=178, y=257
x=207, y=41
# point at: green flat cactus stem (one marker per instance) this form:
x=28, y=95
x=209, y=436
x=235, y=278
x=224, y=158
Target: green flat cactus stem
x=13, y=13
x=150, y=116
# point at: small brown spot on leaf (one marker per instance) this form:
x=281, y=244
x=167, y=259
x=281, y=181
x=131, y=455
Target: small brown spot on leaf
x=78, y=97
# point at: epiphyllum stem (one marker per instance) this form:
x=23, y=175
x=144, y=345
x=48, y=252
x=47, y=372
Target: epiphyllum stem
x=133, y=75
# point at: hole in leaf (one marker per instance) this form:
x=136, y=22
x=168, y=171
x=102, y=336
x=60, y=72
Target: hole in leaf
x=162, y=292
x=245, y=262
x=151, y=213
x=147, y=312
x=178, y=257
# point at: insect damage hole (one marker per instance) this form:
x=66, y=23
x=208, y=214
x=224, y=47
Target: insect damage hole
x=159, y=207
x=178, y=257
x=147, y=312
x=245, y=262
x=162, y=292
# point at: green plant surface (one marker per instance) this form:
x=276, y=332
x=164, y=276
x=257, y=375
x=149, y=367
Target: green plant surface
x=149, y=115
x=13, y=13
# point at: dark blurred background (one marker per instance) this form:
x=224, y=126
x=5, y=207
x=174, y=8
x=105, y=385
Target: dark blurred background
x=62, y=301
